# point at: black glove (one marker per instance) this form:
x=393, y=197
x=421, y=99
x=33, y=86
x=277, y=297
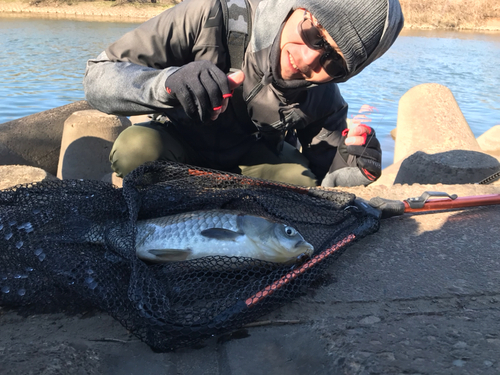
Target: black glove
x=368, y=156
x=200, y=87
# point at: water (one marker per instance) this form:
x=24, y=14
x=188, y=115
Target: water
x=43, y=62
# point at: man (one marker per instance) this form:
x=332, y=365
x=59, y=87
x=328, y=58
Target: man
x=175, y=66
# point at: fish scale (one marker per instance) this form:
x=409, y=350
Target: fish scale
x=217, y=232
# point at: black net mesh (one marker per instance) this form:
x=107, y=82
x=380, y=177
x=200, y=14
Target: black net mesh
x=71, y=243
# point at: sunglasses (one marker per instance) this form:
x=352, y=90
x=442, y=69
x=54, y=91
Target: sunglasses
x=331, y=61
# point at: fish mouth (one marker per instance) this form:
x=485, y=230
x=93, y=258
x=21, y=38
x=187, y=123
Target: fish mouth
x=309, y=248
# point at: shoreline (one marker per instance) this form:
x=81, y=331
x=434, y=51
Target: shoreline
x=108, y=11
x=102, y=11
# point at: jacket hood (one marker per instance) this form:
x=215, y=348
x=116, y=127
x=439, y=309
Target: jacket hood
x=271, y=14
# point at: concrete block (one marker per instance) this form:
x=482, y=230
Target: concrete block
x=35, y=140
x=451, y=167
x=9, y=157
x=12, y=175
x=86, y=142
x=489, y=141
x=430, y=120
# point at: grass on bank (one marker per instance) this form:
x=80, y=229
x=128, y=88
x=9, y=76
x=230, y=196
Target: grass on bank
x=163, y=3
x=453, y=14
x=442, y=14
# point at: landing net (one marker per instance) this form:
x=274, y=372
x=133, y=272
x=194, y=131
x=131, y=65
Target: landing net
x=69, y=245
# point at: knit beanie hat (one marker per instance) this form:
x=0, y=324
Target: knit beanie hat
x=356, y=26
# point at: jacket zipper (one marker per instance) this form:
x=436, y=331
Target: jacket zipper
x=254, y=92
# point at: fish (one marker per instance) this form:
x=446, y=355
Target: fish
x=198, y=234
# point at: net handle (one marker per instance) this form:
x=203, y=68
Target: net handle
x=292, y=275
x=232, y=312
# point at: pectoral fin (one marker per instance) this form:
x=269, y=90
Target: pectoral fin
x=221, y=234
x=170, y=255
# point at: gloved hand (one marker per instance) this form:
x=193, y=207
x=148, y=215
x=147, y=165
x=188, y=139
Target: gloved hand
x=362, y=143
x=200, y=87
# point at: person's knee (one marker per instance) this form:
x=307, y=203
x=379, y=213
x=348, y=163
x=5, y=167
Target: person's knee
x=294, y=174
x=135, y=146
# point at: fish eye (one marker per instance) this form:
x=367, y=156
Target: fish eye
x=289, y=231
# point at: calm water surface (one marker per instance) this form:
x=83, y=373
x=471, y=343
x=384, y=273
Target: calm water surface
x=43, y=61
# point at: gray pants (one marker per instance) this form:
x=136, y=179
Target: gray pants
x=151, y=141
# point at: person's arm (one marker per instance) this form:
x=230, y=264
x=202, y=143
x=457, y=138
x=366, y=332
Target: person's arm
x=334, y=162
x=125, y=88
x=129, y=78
